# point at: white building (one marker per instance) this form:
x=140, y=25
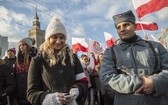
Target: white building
x=3, y=45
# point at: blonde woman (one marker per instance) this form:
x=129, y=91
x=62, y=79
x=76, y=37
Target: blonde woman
x=56, y=76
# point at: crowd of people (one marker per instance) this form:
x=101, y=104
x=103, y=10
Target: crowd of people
x=133, y=71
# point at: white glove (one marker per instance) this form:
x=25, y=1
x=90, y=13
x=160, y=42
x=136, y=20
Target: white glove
x=74, y=92
x=70, y=99
x=52, y=99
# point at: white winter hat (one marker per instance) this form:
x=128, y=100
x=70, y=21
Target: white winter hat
x=55, y=27
x=29, y=41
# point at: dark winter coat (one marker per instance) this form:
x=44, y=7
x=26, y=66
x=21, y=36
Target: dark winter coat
x=44, y=79
x=7, y=83
x=21, y=81
x=10, y=61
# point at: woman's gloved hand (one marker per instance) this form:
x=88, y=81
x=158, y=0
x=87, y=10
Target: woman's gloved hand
x=70, y=99
x=74, y=92
x=54, y=99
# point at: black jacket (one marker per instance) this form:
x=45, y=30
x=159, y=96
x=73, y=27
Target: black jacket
x=7, y=83
x=10, y=61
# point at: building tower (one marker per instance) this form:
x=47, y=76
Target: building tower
x=3, y=45
x=36, y=33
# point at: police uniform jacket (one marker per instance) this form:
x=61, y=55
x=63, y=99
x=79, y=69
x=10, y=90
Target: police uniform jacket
x=134, y=60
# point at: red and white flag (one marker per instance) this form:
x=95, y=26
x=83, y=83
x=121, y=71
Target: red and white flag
x=144, y=7
x=79, y=44
x=146, y=26
x=109, y=39
x=95, y=47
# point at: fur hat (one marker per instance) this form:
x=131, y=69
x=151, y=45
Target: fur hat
x=55, y=27
x=124, y=17
x=29, y=41
x=12, y=50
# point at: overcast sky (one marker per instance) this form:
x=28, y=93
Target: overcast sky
x=82, y=18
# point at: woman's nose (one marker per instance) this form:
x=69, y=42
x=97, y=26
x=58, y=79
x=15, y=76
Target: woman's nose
x=58, y=41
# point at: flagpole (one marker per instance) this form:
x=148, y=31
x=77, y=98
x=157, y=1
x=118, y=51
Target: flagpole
x=142, y=28
x=139, y=20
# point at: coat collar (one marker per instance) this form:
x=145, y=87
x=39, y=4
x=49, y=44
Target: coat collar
x=124, y=45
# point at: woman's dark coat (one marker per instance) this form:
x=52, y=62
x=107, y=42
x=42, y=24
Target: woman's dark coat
x=44, y=79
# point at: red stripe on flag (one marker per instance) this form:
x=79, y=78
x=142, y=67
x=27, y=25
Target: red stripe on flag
x=78, y=47
x=109, y=42
x=147, y=26
x=152, y=6
x=82, y=80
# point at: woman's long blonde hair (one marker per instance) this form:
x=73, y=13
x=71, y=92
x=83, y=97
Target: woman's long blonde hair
x=49, y=52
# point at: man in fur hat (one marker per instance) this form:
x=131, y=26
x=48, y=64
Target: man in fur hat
x=135, y=69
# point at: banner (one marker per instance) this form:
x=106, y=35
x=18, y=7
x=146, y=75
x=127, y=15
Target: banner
x=79, y=44
x=95, y=47
x=144, y=7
